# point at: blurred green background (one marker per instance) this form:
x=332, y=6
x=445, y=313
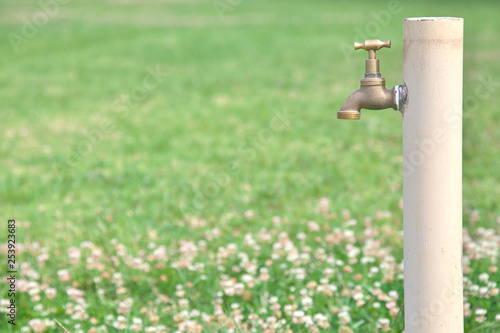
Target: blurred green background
x=89, y=149
x=227, y=74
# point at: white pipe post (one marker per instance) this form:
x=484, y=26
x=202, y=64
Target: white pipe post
x=432, y=175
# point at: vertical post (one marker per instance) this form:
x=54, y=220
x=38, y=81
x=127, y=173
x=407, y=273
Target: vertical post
x=432, y=175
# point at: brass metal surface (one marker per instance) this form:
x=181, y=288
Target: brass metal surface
x=372, y=95
x=349, y=115
x=372, y=44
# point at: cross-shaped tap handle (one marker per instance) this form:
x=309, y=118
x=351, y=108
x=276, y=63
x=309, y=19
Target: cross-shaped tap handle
x=372, y=45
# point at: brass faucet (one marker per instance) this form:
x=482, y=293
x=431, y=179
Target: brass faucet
x=373, y=94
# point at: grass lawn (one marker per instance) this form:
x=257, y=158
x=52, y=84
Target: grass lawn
x=177, y=166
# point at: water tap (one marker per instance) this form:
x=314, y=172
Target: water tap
x=373, y=95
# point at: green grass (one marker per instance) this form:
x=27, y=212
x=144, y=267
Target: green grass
x=153, y=172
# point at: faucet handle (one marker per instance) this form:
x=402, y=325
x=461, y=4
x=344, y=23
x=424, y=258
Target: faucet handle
x=372, y=44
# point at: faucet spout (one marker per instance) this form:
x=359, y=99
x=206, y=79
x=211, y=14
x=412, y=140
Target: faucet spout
x=371, y=97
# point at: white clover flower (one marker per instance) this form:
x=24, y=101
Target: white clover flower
x=484, y=277
x=184, y=303
x=307, y=302
x=288, y=307
x=298, y=317
x=313, y=226
x=273, y=300
x=120, y=323
x=384, y=324
x=37, y=325
x=63, y=275
x=136, y=325
x=249, y=214
x=367, y=259
x=348, y=233
x=328, y=272
x=344, y=317
x=50, y=293
x=393, y=294
x=332, y=287
x=481, y=312
x=42, y=258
